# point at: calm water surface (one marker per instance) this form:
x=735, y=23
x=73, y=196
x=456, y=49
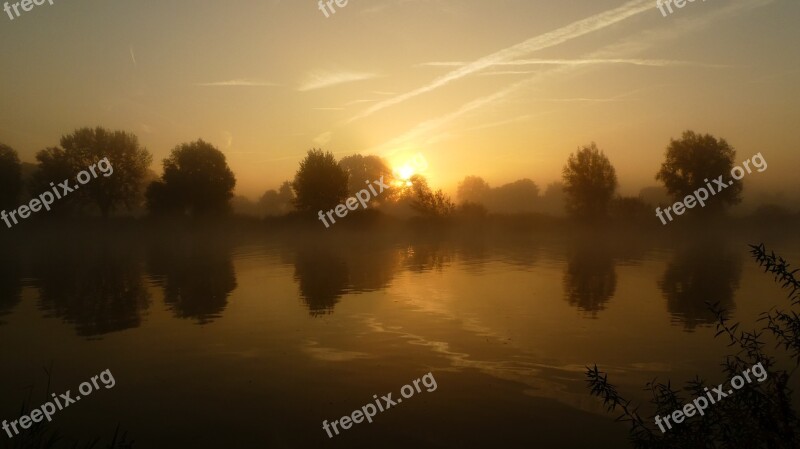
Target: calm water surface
x=253, y=342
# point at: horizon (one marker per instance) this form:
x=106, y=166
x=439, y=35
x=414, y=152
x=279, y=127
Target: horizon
x=506, y=100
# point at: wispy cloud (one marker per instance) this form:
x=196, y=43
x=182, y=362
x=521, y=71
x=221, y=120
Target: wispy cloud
x=239, y=82
x=546, y=40
x=403, y=141
x=133, y=58
x=323, y=138
x=524, y=62
x=632, y=45
x=350, y=103
x=322, y=79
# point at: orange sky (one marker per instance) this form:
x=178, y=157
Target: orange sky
x=503, y=89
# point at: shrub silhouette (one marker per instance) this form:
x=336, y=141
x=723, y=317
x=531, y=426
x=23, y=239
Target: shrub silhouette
x=760, y=415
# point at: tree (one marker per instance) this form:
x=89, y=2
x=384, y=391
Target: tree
x=695, y=160
x=320, y=183
x=85, y=147
x=196, y=181
x=10, y=178
x=365, y=168
x=552, y=202
x=473, y=189
x=429, y=203
x=518, y=196
x=277, y=202
x=589, y=182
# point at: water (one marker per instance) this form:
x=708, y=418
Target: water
x=252, y=340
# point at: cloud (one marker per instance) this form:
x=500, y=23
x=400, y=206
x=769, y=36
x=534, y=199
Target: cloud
x=631, y=45
x=350, y=103
x=524, y=62
x=322, y=79
x=323, y=138
x=239, y=82
x=546, y=40
x=133, y=58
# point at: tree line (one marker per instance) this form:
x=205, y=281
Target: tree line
x=197, y=182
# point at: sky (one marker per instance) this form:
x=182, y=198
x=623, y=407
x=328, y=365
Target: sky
x=502, y=89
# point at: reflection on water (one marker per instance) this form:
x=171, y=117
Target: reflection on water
x=366, y=313
x=590, y=279
x=700, y=272
x=10, y=280
x=99, y=286
x=96, y=286
x=322, y=278
x=197, y=276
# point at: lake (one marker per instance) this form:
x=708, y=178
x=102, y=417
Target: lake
x=253, y=339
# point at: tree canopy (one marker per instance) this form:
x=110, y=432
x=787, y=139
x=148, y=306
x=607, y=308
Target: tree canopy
x=589, y=183
x=320, y=183
x=365, y=168
x=196, y=182
x=85, y=147
x=694, y=160
x=277, y=202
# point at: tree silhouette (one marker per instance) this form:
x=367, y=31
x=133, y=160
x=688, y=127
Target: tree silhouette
x=518, y=196
x=552, y=202
x=10, y=178
x=85, y=147
x=277, y=202
x=430, y=203
x=320, y=183
x=196, y=181
x=695, y=160
x=366, y=168
x=473, y=189
x=589, y=182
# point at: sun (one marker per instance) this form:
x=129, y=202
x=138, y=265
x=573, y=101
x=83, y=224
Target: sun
x=404, y=172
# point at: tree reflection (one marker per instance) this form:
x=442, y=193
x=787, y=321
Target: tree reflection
x=10, y=275
x=197, y=276
x=427, y=256
x=322, y=277
x=704, y=271
x=590, y=277
x=325, y=270
x=95, y=286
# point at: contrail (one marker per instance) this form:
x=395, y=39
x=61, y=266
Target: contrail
x=546, y=40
